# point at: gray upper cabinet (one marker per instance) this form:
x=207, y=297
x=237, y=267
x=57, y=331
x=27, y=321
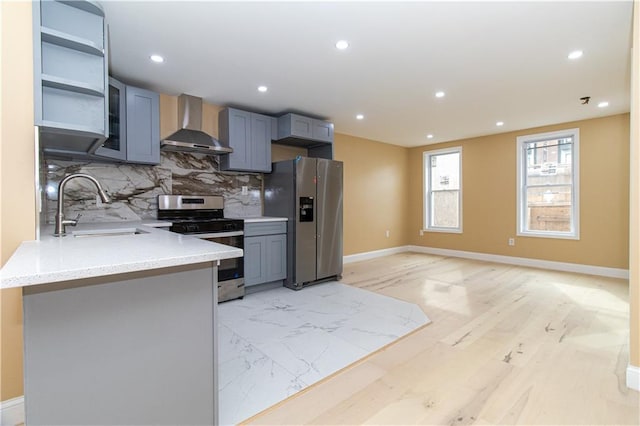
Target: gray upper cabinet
x=115, y=146
x=322, y=131
x=294, y=125
x=249, y=134
x=143, y=126
x=134, y=125
x=70, y=76
x=260, y=143
x=274, y=128
x=294, y=129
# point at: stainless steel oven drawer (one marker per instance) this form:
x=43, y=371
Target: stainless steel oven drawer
x=230, y=289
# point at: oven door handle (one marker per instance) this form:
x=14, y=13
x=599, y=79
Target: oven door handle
x=218, y=234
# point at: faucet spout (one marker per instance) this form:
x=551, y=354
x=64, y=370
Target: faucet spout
x=61, y=222
x=103, y=195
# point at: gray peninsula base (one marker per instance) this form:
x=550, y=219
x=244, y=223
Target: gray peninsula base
x=135, y=348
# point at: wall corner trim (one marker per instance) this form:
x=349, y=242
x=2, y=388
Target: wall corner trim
x=12, y=411
x=633, y=377
x=510, y=260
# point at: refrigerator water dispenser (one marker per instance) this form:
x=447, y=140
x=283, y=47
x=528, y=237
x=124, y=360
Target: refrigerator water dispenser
x=306, y=209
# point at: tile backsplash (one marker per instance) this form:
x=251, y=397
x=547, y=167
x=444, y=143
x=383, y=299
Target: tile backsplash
x=134, y=189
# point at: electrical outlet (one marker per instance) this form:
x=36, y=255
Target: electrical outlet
x=421, y=232
x=387, y=233
x=245, y=190
x=512, y=241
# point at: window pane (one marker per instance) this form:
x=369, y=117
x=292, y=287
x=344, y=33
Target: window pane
x=443, y=190
x=548, y=196
x=444, y=209
x=549, y=209
x=445, y=171
x=546, y=159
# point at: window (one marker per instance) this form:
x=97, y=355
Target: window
x=548, y=191
x=443, y=190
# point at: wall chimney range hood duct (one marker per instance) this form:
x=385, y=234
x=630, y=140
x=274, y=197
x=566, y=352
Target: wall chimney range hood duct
x=190, y=137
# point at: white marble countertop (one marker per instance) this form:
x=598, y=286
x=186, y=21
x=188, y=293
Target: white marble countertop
x=52, y=259
x=256, y=219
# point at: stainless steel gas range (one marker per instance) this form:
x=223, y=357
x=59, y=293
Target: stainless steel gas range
x=202, y=216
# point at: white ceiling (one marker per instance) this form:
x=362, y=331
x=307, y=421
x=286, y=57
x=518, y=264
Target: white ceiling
x=496, y=61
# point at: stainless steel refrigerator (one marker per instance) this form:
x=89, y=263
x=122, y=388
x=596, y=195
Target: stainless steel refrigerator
x=308, y=192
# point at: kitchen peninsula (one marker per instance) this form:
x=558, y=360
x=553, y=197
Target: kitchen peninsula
x=119, y=329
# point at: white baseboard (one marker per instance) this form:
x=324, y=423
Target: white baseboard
x=525, y=261
x=12, y=411
x=373, y=254
x=633, y=377
x=510, y=260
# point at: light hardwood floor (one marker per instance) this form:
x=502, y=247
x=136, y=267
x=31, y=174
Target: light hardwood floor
x=508, y=345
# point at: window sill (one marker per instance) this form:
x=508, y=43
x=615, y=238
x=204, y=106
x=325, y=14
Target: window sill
x=444, y=230
x=550, y=235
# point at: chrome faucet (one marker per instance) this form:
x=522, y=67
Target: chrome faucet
x=61, y=222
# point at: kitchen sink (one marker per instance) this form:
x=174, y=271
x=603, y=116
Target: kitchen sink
x=108, y=232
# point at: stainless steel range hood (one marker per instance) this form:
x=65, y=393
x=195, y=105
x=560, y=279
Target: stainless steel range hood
x=190, y=137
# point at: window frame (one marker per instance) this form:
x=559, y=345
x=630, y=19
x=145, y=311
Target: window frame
x=521, y=197
x=426, y=179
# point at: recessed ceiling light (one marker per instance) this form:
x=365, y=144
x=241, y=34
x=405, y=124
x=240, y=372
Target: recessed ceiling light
x=429, y=136
x=603, y=104
x=575, y=54
x=342, y=44
x=157, y=59
x=440, y=94
x=359, y=117
x=500, y=123
x=262, y=89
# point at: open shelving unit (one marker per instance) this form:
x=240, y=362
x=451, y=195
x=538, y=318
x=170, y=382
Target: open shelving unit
x=71, y=77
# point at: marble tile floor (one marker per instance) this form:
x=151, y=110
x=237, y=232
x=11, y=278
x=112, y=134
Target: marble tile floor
x=275, y=343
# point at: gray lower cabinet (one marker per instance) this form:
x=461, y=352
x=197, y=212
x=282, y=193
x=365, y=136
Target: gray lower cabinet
x=70, y=73
x=134, y=125
x=265, y=253
x=128, y=349
x=249, y=134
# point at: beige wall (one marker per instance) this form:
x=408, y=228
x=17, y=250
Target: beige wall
x=489, y=197
x=383, y=189
x=17, y=171
x=634, y=233
x=376, y=184
x=375, y=191
x=286, y=152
